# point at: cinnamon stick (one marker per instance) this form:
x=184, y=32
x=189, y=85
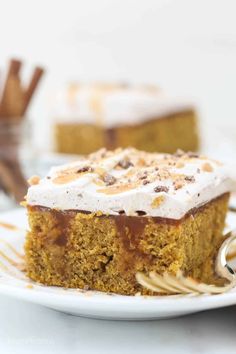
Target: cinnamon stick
x=12, y=80
x=14, y=97
x=13, y=104
x=38, y=72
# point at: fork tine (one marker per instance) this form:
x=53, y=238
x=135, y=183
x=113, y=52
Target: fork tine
x=179, y=284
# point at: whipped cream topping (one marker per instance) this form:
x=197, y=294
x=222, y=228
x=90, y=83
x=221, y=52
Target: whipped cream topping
x=111, y=105
x=132, y=182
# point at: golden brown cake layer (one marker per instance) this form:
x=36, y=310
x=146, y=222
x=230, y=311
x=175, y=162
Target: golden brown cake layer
x=96, y=251
x=165, y=134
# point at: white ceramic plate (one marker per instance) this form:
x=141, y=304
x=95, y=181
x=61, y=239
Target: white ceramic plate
x=14, y=283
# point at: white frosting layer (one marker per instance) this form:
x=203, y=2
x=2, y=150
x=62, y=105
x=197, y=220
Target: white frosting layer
x=190, y=182
x=112, y=106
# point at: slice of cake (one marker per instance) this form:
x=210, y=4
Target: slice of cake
x=96, y=222
x=89, y=117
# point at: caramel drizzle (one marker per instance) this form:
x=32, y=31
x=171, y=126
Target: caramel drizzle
x=16, y=266
x=123, y=184
x=67, y=176
x=10, y=260
x=96, y=102
x=118, y=189
x=157, y=219
x=71, y=94
x=9, y=226
x=19, y=255
x=4, y=268
x=96, y=105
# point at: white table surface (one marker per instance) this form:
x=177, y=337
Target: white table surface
x=27, y=328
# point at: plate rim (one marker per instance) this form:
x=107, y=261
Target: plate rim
x=109, y=304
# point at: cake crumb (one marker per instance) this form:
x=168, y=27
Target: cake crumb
x=157, y=201
x=33, y=180
x=29, y=286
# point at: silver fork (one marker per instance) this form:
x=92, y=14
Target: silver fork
x=179, y=284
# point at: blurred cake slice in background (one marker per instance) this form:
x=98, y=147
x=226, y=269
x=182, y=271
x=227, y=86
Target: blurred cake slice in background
x=90, y=116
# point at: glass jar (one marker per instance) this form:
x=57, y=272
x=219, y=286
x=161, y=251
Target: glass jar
x=16, y=156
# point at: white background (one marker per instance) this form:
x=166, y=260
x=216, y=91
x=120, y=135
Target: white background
x=185, y=46
x=188, y=46
x=31, y=329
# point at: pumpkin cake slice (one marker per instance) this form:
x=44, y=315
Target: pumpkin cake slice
x=98, y=221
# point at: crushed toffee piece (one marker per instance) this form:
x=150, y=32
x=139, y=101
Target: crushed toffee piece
x=109, y=179
x=179, y=153
x=190, y=179
x=157, y=201
x=125, y=163
x=192, y=154
x=207, y=167
x=85, y=169
x=178, y=184
x=159, y=189
x=34, y=180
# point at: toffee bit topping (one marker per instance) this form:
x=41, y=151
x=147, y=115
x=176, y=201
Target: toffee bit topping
x=133, y=171
x=142, y=175
x=207, y=167
x=125, y=163
x=159, y=189
x=178, y=184
x=192, y=154
x=190, y=179
x=157, y=201
x=109, y=179
x=100, y=171
x=34, y=180
x=98, y=154
x=141, y=162
x=85, y=169
x=179, y=153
